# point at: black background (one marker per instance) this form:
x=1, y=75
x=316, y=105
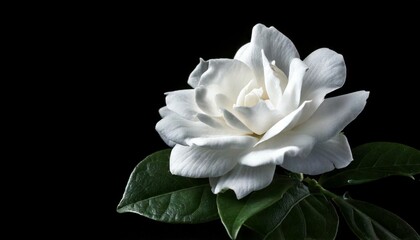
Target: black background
x=114, y=63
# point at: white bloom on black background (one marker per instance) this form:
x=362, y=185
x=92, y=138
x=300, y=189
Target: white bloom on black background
x=266, y=107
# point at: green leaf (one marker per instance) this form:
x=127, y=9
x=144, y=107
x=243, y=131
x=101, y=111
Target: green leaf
x=234, y=212
x=312, y=218
x=373, y=161
x=368, y=221
x=270, y=218
x=152, y=191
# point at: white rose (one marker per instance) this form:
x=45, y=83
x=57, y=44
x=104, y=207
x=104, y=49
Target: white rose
x=266, y=107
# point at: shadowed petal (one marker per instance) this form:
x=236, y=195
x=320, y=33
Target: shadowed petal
x=235, y=123
x=164, y=111
x=243, y=179
x=195, y=76
x=205, y=101
x=183, y=103
x=258, y=118
x=324, y=157
x=275, y=149
x=176, y=129
x=215, y=122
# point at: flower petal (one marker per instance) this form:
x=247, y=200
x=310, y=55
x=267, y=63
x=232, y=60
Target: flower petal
x=163, y=112
x=235, y=123
x=333, y=115
x=224, y=142
x=327, y=72
x=240, y=100
x=324, y=157
x=291, y=96
x=272, y=80
x=205, y=101
x=214, y=122
x=243, y=179
x=220, y=123
x=330, y=118
x=195, y=76
x=287, y=122
x=183, y=103
x=274, y=150
x=276, y=47
x=225, y=77
x=229, y=75
x=223, y=102
x=258, y=118
x=179, y=130
x=241, y=51
x=200, y=162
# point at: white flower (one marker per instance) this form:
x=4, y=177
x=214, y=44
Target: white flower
x=265, y=107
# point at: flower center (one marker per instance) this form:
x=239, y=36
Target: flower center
x=250, y=95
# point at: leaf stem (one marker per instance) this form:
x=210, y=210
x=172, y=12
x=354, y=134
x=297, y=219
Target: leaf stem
x=301, y=177
x=317, y=187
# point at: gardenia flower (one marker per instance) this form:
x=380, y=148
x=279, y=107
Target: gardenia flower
x=263, y=108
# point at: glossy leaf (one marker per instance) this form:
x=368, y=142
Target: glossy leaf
x=368, y=221
x=270, y=218
x=373, y=161
x=312, y=218
x=234, y=212
x=152, y=191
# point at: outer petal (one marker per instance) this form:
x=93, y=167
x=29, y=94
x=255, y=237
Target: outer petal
x=326, y=156
x=183, y=103
x=225, y=77
x=229, y=75
x=214, y=122
x=224, y=142
x=276, y=47
x=195, y=76
x=179, y=130
x=163, y=112
x=241, y=51
x=243, y=179
x=327, y=72
x=205, y=101
x=274, y=150
x=199, y=162
x=333, y=115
